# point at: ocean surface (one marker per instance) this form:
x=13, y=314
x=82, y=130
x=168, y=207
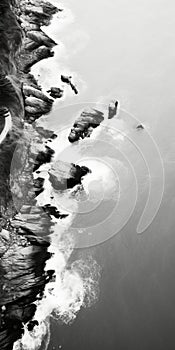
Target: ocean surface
x=124, y=50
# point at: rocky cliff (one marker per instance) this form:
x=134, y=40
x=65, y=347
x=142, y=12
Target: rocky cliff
x=23, y=225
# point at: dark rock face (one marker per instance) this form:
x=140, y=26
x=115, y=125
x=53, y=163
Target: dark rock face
x=64, y=175
x=23, y=251
x=22, y=279
x=84, y=125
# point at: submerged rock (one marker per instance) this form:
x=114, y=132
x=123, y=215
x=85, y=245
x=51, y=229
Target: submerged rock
x=84, y=125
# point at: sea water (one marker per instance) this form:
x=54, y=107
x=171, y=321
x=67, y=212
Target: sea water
x=121, y=49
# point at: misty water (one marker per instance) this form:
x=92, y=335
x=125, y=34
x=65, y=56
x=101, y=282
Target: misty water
x=122, y=50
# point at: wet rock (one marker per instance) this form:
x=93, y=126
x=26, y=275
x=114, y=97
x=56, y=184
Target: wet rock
x=55, y=92
x=140, y=127
x=32, y=324
x=112, y=109
x=84, y=125
x=65, y=175
x=67, y=80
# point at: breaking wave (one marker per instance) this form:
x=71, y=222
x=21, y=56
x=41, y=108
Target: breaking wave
x=75, y=285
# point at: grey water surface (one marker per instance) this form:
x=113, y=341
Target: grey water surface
x=125, y=49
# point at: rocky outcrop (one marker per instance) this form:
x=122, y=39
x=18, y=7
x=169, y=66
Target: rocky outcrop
x=84, y=125
x=55, y=92
x=112, y=109
x=65, y=175
x=67, y=80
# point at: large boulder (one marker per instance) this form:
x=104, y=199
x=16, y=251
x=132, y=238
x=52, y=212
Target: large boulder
x=85, y=123
x=66, y=175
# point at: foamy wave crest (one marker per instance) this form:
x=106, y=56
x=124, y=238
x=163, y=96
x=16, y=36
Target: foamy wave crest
x=40, y=336
x=74, y=286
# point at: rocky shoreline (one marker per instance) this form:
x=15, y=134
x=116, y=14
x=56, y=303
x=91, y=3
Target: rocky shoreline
x=23, y=250
x=25, y=226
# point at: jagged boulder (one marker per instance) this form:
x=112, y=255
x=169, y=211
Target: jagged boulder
x=55, y=92
x=64, y=175
x=84, y=125
x=67, y=80
x=112, y=109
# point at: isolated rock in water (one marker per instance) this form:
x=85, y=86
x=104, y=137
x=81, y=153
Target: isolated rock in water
x=67, y=80
x=84, y=125
x=112, y=109
x=65, y=175
x=55, y=92
x=140, y=127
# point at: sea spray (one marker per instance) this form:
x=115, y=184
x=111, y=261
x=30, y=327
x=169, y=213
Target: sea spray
x=36, y=339
x=75, y=285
